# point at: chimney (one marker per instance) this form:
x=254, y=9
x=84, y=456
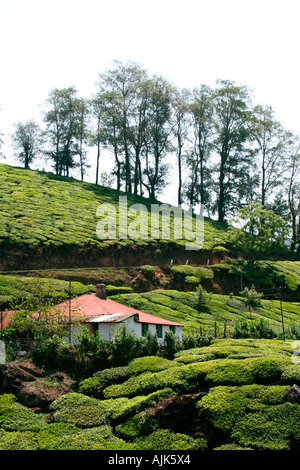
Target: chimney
x=101, y=291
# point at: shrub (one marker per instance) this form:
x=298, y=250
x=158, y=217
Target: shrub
x=275, y=428
x=200, y=273
x=48, y=438
x=224, y=405
x=196, y=340
x=149, y=363
x=147, y=268
x=17, y=440
x=201, y=298
x=16, y=417
x=245, y=371
x=65, y=436
x=124, y=346
x=80, y=410
x=163, y=439
x=171, y=345
x=132, y=428
x=257, y=328
x=86, y=412
x=93, y=386
x=55, y=353
x=192, y=280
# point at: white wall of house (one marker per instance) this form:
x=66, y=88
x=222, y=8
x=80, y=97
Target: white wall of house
x=107, y=330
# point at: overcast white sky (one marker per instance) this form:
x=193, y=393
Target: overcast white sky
x=59, y=43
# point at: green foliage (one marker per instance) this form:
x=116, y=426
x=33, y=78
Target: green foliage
x=275, y=428
x=86, y=412
x=263, y=233
x=147, y=268
x=31, y=292
x=252, y=297
x=171, y=345
x=193, y=272
x=63, y=436
x=201, y=298
x=49, y=210
x=149, y=363
x=17, y=440
x=93, y=386
x=258, y=328
x=265, y=274
x=124, y=346
x=224, y=405
x=163, y=439
x=16, y=417
x=181, y=307
x=246, y=405
x=55, y=353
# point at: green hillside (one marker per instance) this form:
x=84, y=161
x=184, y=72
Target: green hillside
x=39, y=208
x=217, y=309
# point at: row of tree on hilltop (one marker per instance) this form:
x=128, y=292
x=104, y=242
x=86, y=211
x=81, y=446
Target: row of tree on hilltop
x=226, y=152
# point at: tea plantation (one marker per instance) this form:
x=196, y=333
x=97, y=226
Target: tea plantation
x=39, y=208
x=236, y=394
x=232, y=383
x=183, y=307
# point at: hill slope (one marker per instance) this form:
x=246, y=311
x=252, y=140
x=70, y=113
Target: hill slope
x=50, y=221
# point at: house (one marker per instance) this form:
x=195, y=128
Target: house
x=100, y=314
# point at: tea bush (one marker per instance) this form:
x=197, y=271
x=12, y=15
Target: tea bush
x=163, y=439
x=16, y=417
x=64, y=436
x=17, y=440
x=224, y=405
x=149, y=363
x=93, y=386
x=275, y=428
x=86, y=412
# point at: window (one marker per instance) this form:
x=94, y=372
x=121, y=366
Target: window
x=144, y=329
x=159, y=331
x=173, y=328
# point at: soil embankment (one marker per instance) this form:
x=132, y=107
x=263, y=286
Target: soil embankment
x=23, y=257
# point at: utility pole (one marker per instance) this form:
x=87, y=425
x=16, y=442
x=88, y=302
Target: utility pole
x=70, y=312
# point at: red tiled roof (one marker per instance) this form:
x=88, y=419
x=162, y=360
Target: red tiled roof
x=89, y=305
x=6, y=318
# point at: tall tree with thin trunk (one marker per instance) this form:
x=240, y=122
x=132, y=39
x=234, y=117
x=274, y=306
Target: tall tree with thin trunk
x=82, y=133
x=121, y=83
x=27, y=141
x=201, y=108
x=97, y=105
x=232, y=116
x=272, y=143
x=293, y=192
x=158, y=136
x=61, y=129
x=180, y=108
